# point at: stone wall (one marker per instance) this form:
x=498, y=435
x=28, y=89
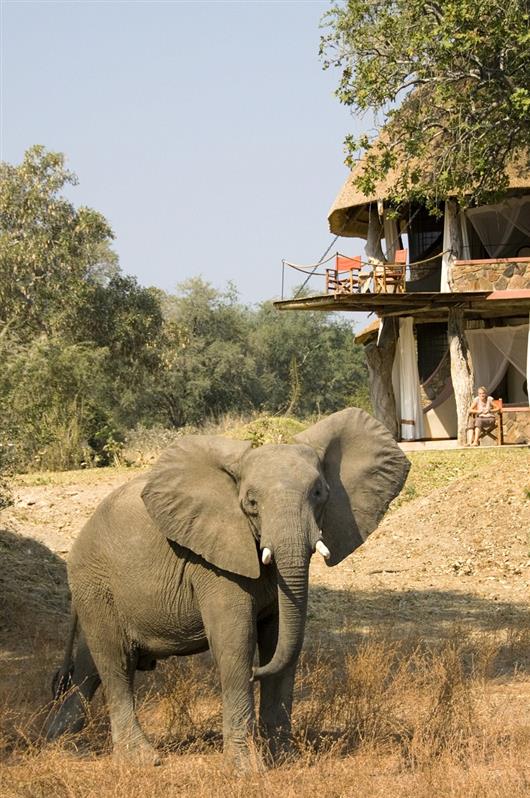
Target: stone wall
x=516, y=426
x=489, y=275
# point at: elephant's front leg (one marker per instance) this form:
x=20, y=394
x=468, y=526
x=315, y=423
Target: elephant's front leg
x=229, y=619
x=276, y=696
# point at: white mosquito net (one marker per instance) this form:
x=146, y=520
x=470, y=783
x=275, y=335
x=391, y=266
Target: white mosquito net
x=493, y=349
x=499, y=226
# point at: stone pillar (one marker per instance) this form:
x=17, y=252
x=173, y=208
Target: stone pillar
x=380, y=360
x=462, y=373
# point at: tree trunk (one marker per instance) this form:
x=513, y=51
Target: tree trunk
x=455, y=237
x=462, y=373
x=380, y=359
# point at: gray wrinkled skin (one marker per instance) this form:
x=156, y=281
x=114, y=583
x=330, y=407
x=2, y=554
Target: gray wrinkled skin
x=170, y=564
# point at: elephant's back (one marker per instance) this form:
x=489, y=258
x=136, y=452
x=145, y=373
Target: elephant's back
x=119, y=543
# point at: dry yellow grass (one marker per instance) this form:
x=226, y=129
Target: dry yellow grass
x=408, y=717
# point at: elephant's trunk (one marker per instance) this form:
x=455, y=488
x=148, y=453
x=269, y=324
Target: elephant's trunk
x=293, y=576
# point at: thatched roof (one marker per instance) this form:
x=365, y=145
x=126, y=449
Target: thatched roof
x=348, y=215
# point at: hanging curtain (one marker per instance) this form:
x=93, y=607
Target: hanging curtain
x=495, y=224
x=489, y=364
x=374, y=253
x=513, y=343
x=406, y=382
x=391, y=233
x=493, y=349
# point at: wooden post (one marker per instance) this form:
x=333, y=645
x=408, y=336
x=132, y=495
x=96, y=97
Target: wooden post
x=462, y=373
x=380, y=359
x=455, y=238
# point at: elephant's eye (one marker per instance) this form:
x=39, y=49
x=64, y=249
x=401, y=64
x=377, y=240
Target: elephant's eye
x=320, y=493
x=251, y=504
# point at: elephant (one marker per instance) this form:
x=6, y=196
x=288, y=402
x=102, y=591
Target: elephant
x=210, y=549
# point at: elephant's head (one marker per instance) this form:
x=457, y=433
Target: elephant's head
x=233, y=505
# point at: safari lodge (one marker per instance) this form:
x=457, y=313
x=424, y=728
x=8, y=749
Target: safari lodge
x=451, y=298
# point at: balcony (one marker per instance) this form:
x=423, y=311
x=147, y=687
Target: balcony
x=492, y=288
x=350, y=275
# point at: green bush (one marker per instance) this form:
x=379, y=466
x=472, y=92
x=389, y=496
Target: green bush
x=268, y=429
x=52, y=396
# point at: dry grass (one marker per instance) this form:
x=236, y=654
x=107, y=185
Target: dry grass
x=437, y=469
x=406, y=716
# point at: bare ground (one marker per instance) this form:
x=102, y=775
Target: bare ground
x=450, y=562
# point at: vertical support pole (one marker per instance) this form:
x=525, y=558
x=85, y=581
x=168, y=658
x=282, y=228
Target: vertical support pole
x=462, y=372
x=452, y=244
x=283, y=276
x=380, y=360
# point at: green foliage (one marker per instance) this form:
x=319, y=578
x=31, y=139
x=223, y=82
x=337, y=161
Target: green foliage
x=52, y=410
x=48, y=248
x=87, y=354
x=220, y=356
x=307, y=362
x=361, y=398
x=268, y=429
x=6, y=496
x=450, y=79
x=206, y=368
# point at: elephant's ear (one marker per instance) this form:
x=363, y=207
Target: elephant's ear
x=192, y=496
x=365, y=469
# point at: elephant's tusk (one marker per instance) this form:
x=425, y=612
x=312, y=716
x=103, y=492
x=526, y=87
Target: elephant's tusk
x=323, y=549
x=266, y=556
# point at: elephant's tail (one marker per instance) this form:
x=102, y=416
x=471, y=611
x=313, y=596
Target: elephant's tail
x=62, y=678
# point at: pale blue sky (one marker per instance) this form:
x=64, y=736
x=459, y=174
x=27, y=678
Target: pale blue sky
x=206, y=132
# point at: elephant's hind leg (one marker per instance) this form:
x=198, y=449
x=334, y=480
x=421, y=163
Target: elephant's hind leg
x=116, y=664
x=70, y=716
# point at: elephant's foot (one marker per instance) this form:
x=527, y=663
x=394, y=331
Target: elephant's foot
x=140, y=753
x=245, y=758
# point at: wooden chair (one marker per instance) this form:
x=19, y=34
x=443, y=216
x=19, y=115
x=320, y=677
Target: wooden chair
x=345, y=278
x=496, y=433
x=389, y=278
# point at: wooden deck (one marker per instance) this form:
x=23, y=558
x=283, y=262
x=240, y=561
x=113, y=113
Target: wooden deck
x=427, y=305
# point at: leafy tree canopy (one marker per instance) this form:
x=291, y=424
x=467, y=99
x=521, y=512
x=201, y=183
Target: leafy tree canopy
x=48, y=248
x=206, y=369
x=450, y=80
x=86, y=353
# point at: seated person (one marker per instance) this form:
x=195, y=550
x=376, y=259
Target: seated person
x=481, y=416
